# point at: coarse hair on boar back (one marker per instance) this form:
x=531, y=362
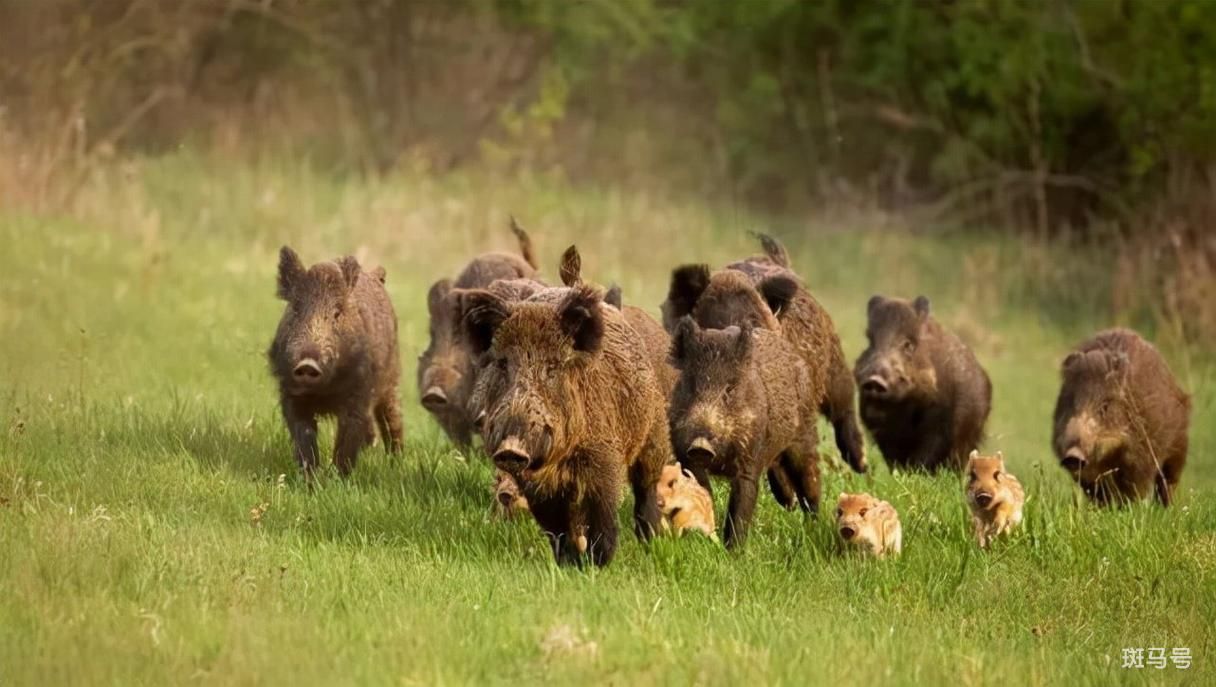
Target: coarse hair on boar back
x=1121, y=419
x=924, y=396
x=576, y=411
x=335, y=353
x=744, y=406
x=446, y=371
x=763, y=292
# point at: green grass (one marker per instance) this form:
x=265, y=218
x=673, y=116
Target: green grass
x=153, y=529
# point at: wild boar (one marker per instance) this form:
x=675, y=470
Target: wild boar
x=1121, y=420
x=994, y=496
x=576, y=410
x=335, y=353
x=684, y=503
x=772, y=296
x=744, y=403
x=507, y=495
x=868, y=525
x=924, y=396
x=445, y=368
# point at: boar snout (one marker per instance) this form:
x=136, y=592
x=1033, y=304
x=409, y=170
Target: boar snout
x=307, y=370
x=983, y=498
x=1074, y=459
x=875, y=385
x=700, y=449
x=435, y=399
x=511, y=456
x=847, y=532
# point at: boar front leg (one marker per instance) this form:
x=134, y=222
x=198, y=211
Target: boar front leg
x=388, y=415
x=302, y=425
x=741, y=507
x=552, y=514
x=355, y=431
x=603, y=528
x=933, y=450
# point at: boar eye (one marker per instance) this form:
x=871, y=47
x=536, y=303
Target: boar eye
x=862, y=512
x=974, y=477
x=997, y=475
x=909, y=346
x=671, y=484
x=839, y=512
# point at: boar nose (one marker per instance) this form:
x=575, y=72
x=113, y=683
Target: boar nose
x=847, y=532
x=434, y=399
x=874, y=385
x=506, y=498
x=307, y=370
x=511, y=457
x=701, y=449
x=983, y=498
x=1074, y=459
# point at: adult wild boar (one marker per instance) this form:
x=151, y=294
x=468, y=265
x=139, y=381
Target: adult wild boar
x=578, y=411
x=1121, y=420
x=743, y=405
x=446, y=367
x=762, y=291
x=335, y=353
x=924, y=396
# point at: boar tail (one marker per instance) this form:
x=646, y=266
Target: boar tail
x=525, y=243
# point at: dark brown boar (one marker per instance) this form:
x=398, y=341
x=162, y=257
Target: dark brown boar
x=1121, y=420
x=924, y=396
x=445, y=368
x=335, y=353
x=772, y=296
x=577, y=410
x=744, y=404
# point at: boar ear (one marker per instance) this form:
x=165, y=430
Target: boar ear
x=778, y=291
x=434, y=297
x=290, y=271
x=571, y=268
x=921, y=305
x=350, y=270
x=613, y=297
x=482, y=312
x=379, y=274
x=1000, y=456
x=974, y=454
x=873, y=304
x=687, y=284
x=1072, y=359
x=581, y=318
x=682, y=339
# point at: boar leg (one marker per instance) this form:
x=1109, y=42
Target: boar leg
x=934, y=450
x=302, y=425
x=740, y=508
x=553, y=516
x=779, y=482
x=801, y=463
x=603, y=528
x=701, y=474
x=644, y=479
x=388, y=414
x=838, y=407
x=355, y=430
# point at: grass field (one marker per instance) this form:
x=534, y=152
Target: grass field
x=153, y=529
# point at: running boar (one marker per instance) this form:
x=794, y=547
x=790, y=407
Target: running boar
x=868, y=525
x=335, y=353
x=924, y=396
x=445, y=368
x=576, y=411
x=1121, y=420
x=744, y=403
x=994, y=496
x=762, y=291
x=684, y=503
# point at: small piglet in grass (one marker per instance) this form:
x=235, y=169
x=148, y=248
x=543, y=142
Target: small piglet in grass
x=335, y=353
x=684, y=503
x=868, y=525
x=994, y=496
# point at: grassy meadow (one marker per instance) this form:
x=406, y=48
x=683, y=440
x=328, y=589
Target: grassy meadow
x=153, y=529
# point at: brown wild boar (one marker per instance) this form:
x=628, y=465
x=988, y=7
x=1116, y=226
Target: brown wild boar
x=684, y=503
x=575, y=411
x=1121, y=420
x=994, y=496
x=744, y=403
x=924, y=396
x=868, y=525
x=772, y=296
x=445, y=368
x=335, y=353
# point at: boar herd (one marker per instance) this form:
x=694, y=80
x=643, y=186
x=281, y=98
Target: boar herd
x=575, y=395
